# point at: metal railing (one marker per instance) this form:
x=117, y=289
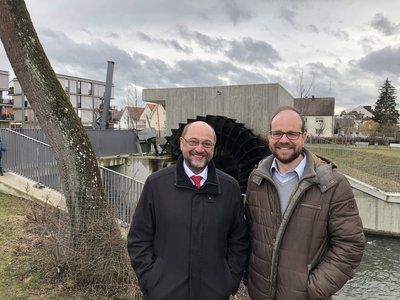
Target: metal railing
x=35, y=160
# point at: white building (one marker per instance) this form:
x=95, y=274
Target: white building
x=86, y=96
x=318, y=114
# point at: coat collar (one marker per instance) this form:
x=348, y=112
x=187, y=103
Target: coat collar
x=211, y=186
x=318, y=170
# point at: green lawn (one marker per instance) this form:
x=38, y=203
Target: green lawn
x=379, y=167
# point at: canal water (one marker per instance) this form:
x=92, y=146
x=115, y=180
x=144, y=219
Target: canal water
x=378, y=276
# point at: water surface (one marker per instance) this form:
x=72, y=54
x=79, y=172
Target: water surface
x=378, y=276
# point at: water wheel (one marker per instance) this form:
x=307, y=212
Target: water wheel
x=237, y=150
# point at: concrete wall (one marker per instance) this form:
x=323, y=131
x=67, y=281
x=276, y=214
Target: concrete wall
x=252, y=105
x=379, y=211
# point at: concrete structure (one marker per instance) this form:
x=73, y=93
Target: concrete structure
x=319, y=115
x=379, y=210
x=86, y=96
x=253, y=104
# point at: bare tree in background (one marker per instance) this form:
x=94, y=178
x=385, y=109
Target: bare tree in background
x=91, y=218
x=303, y=89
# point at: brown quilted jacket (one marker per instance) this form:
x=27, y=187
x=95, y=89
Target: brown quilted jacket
x=310, y=252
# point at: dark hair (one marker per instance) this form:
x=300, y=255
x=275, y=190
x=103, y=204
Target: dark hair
x=284, y=108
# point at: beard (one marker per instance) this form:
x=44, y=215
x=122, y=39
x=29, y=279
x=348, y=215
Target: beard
x=288, y=155
x=195, y=165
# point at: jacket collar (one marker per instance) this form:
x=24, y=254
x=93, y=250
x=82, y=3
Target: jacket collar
x=318, y=170
x=211, y=186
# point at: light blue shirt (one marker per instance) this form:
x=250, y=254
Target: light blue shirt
x=298, y=171
x=189, y=173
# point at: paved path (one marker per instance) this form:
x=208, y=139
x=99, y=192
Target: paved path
x=20, y=186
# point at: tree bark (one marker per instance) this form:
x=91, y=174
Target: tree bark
x=89, y=212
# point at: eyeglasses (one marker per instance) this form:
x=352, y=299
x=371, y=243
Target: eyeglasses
x=195, y=143
x=291, y=135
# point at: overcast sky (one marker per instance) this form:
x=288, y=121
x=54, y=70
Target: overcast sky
x=344, y=49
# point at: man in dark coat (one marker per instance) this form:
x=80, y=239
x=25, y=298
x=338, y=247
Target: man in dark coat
x=188, y=242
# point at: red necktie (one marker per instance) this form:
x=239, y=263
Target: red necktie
x=196, y=180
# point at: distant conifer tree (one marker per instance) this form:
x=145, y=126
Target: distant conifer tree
x=385, y=110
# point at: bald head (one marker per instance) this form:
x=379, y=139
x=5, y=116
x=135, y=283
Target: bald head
x=290, y=111
x=197, y=145
x=199, y=126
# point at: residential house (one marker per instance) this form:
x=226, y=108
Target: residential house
x=130, y=118
x=348, y=122
x=155, y=116
x=150, y=116
x=363, y=112
x=318, y=114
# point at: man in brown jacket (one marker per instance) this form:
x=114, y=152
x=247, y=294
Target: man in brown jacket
x=305, y=230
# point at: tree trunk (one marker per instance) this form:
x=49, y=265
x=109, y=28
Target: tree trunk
x=89, y=212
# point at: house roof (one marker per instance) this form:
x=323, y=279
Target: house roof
x=151, y=106
x=315, y=106
x=364, y=110
x=116, y=115
x=135, y=112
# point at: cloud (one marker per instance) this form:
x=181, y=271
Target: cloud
x=88, y=60
x=245, y=50
x=236, y=11
x=312, y=28
x=288, y=14
x=337, y=33
x=207, y=43
x=384, y=25
x=174, y=44
x=207, y=73
x=254, y=52
x=382, y=61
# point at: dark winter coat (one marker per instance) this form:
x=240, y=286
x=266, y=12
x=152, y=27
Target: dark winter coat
x=312, y=251
x=187, y=243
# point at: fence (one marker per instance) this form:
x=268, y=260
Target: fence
x=34, y=159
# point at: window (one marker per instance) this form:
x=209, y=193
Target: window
x=78, y=87
x=319, y=120
x=78, y=101
x=90, y=90
x=319, y=131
